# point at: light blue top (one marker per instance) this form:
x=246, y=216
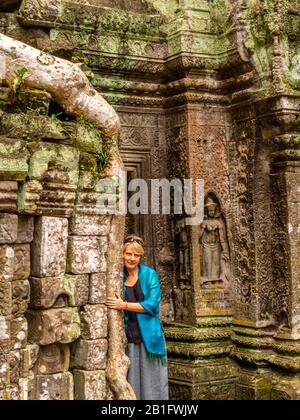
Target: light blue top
x=149, y=323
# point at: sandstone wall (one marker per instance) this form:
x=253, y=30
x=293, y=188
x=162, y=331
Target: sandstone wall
x=204, y=89
x=54, y=244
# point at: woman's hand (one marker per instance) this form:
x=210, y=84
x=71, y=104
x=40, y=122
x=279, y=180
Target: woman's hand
x=113, y=303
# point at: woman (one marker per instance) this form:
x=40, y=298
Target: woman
x=146, y=348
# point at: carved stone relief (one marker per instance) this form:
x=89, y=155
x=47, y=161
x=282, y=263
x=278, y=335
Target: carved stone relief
x=215, y=257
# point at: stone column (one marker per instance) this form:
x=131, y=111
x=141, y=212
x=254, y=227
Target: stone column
x=266, y=326
x=199, y=340
x=87, y=256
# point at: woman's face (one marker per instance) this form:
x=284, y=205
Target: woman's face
x=131, y=258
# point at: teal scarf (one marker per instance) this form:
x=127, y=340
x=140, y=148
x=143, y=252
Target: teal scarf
x=149, y=323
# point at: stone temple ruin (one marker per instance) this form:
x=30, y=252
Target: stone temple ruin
x=201, y=89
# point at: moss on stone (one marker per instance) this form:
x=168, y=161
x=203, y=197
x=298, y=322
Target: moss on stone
x=31, y=127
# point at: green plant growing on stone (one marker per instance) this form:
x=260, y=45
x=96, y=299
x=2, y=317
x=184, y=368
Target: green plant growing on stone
x=15, y=83
x=57, y=121
x=37, y=111
x=54, y=117
x=103, y=154
x=19, y=78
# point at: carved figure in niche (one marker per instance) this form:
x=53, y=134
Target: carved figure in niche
x=183, y=300
x=214, y=246
x=182, y=243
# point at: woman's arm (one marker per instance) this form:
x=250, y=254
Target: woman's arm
x=120, y=305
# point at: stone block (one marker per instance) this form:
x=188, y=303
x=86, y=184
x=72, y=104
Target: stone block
x=90, y=225
x=49, y=248
x=53, y=326
x=8, y=228
x=86, y=254
x=5, y=298
x=25, y=229
x=19, y=333
x=57, y=199
x=4, y=360
x=29, y=196
x=97, y=288
x=19, y=392
x=8, y=195
x=58, y=387
x=22, y=262
x=13, y=167
x=48, y=292
x=89, y=354
x=34, y=127
x=78, y=286
x=7, y=259
x=52, y=359
x=15, y=366
x=4, y=330
x=20, y=297
x=15, y=394
x=87, y=139
x=67, y=290
x=29, y=357
x=93, y=322
x=89, y=386
x=5, y=374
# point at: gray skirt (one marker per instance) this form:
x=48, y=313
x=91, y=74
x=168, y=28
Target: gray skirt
x=149, y=379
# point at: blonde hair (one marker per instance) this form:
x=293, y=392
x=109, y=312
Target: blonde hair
x=137, y=244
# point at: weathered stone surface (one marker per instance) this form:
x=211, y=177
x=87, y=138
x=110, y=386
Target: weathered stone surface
x=89, y=385
x=54, y=387
x=4, y=352
x=19, y=392
x=20, y=297
x=53, y=326
x=31, y=127
x=86, y=254
x=57, y=198
x=67, y=290
x=4, y=329
x=13, y=167
x=15, y=366
x=5, y=374
x=48, y=292
x=78, y=285
x=54, y=163
x=8, y=228
x=6, y=263
x=25, y=230
x=89, y=354
x=8, y=195
x=19, y=333
x=52, y=359
x=29, y=196
x=97, y=288
x=29, y=357
x=49, y=248
x=93, y=322
x=22, y=262
x=5, y=298
x=89, y=225
x=227, y=112
x=5, y=395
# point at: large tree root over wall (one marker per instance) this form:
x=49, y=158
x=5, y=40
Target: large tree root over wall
x=72, y=90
